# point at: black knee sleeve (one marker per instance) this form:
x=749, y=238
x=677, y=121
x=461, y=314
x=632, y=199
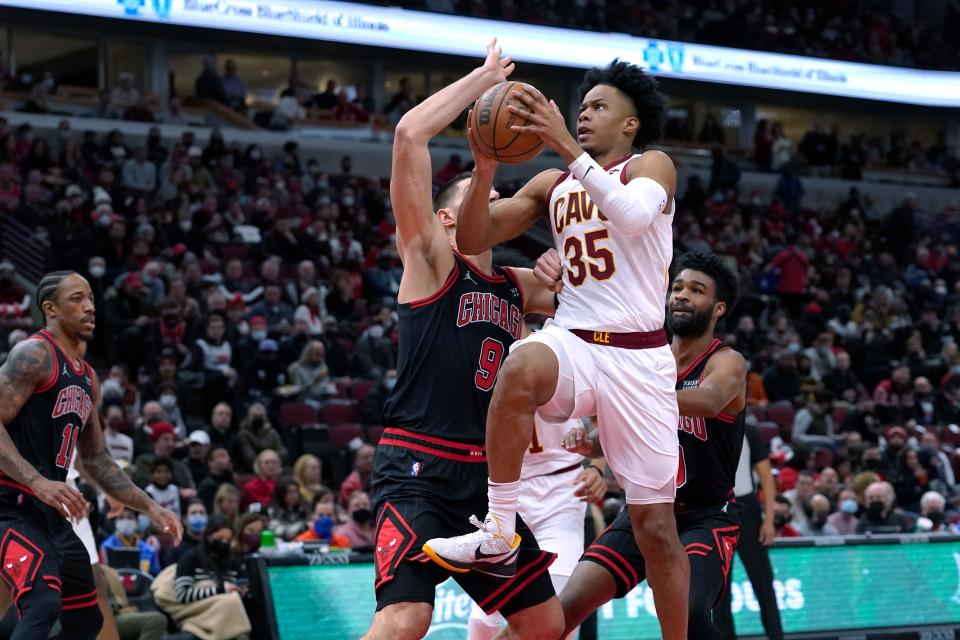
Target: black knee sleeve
x=83, y=624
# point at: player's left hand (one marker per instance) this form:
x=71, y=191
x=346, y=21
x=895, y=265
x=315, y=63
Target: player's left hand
x=545, y=121
x=577, y=440
x=592, y=486
x=168, y=522
x=496, y=65
x=549, y=270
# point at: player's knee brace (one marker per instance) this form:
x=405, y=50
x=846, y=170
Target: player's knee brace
x=84, y=624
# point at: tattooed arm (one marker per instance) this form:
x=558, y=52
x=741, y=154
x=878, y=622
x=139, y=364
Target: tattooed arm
x=30, y=365
x=108, y=475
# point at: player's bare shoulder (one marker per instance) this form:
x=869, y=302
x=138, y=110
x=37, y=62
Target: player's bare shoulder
x=656, y=165
x=29, y=365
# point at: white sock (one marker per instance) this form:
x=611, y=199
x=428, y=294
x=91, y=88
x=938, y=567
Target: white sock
x=503, y=498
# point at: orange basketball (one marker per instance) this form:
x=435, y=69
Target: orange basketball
x=491, y=122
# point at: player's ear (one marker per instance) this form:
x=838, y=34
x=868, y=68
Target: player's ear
x=719, y=309
x=631, y=125
x=447, y=218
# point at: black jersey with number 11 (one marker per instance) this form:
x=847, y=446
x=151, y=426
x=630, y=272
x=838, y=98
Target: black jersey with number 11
x=709, y=447
x=46, y=429
x=451, y=347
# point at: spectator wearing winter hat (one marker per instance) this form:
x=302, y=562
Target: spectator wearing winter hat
x=163, y=437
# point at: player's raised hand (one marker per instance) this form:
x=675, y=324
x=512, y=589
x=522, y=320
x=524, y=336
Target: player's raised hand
x=549, y=270
x=497, y=65
x=577, y=440
x=592, y=487
x=545, y=121
x=168, y=522
x=65, y=499
x=481, y=161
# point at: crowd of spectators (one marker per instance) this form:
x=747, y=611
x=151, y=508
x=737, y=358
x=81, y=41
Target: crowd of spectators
x=874, y=31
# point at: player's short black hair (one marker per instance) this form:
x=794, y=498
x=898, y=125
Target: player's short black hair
x=442, y=199
x=727, y=286
x=161, y=462
x=642, y=91
x=49, y=284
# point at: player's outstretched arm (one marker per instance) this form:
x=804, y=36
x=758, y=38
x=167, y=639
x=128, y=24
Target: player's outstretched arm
x=724, y=381
x=29, y=366
x=418, y=231
x=108, y=475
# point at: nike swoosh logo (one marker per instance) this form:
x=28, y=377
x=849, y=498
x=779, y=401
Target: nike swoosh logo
x=589, y=169
x=482, y=556
x=662, y=365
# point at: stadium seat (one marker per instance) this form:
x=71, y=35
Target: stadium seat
x=768, y=431
x=297, y=413
x=782, y=413
x=823, y=458
x=343, y=389
x=758, y=411
x=840, y=412
x=342, y=434
x=337, y=412
x=136, y=584
x=361, y=389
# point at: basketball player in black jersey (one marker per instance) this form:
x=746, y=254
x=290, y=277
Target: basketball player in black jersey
x=48, y=410
x=458, y=317
x=711, y=393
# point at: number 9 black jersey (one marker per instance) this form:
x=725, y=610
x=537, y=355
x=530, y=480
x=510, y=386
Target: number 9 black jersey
x=451, y=347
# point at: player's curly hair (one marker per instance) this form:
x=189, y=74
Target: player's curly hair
x=642, y=91
x=728, y=288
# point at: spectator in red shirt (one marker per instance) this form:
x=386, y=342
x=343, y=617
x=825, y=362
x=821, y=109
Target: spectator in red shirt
x=260, y=489
x=792, y=264
x=894, y=397
x=359, y=478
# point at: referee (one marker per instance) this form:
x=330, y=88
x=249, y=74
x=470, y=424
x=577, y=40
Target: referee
x=756, y=534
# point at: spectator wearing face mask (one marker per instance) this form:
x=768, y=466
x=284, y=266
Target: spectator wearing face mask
x=880, y=516
x=371, y=409
x=781, y=518
x=933, y=514
x=817, y=525
x=323, y=521
x=256, y=435
x=248, y=533
x=360, y=527
x=129, y=533
x=311, y=375
x=210, y=574
x=845, y=519
x=195, y=520
x=374, y=349
x=119, y=445
x=170, y=409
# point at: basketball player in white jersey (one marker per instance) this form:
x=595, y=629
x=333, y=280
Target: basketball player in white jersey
x=554, y=492
x=605, y=353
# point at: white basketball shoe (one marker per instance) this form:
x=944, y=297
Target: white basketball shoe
x=485, y=550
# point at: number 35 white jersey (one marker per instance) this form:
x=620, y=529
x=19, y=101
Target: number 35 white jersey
x=610, y=282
